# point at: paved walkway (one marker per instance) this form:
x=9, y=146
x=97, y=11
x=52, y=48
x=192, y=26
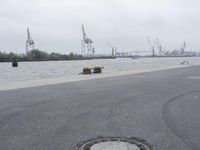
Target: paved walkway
x=161, y=107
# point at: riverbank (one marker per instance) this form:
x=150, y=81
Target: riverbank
x=10, y=85
x=38, y=55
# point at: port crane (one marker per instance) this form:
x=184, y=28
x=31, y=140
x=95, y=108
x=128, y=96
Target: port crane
x=86, y=44
x=114, y=49
x=183, y=48
x=151, y=46
x=159, y=46
x=30, y=44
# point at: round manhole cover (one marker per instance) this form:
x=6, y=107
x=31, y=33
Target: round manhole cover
x=114, y=143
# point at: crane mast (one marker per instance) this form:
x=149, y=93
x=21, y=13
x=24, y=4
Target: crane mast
x=30, y=44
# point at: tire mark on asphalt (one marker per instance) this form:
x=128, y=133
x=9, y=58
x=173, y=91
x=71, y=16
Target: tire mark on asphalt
x=172, y=125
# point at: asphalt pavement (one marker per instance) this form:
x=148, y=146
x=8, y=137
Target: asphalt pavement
x=162, y=107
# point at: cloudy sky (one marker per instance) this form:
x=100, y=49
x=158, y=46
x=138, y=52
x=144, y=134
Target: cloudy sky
x=55, y=25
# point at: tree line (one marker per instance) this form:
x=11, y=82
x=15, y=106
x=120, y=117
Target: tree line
x=38, y=55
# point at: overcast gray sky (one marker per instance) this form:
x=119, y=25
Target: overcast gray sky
x=55, y=25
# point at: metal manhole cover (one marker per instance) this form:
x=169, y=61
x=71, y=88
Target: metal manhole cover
x=114, y=143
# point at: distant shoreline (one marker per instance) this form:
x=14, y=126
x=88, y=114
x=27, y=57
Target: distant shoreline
x=43, y=60
x=154, y=56
x=38, y=55
x=101, y=57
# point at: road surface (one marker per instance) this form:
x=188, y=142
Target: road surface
x=161, y=107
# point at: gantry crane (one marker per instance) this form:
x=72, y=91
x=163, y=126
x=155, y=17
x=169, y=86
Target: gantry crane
x=114, y=49
x=30, y=44
x=159, y=46
x=151, y=46
x=183, y=48
x=86, y=44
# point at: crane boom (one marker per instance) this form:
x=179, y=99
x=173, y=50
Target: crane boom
x=149, y=42
x=29, y=42
x=157, y=43
x=28, y=34
x=151, y=46
x=109, y=45
x=84, y=34
x=114, y=49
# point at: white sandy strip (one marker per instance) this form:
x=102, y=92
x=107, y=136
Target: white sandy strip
x=73, y=78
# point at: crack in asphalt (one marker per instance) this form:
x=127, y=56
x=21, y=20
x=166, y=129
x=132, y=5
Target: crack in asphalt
x=172, y=125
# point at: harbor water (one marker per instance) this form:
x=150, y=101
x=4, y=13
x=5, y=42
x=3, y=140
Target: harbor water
x=55, y=69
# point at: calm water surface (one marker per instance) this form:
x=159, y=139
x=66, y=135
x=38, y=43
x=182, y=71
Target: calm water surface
x=39, y=70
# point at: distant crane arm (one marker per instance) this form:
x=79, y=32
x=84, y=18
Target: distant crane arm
x=149, y=42
x=109, y=45
x=28, y=34
x=84, y=34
